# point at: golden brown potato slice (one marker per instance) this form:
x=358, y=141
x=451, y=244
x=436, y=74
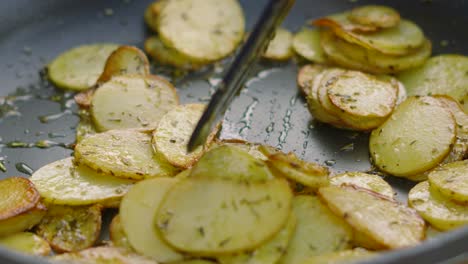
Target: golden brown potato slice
x=213, y=216
x=438, y=210
x=416, y=138
x=68, y=228
x=341, y=257
x=375, y=16
x=193, y=261
x=306, y=43
x=125, y=60
x=151, y=13
x=280, y=47
x=364, y=180
x=318, y=231
x=306, y=76
x=102, y=255
x=341, y=20
x=26, y=242
x=383, y=220
x=252, y=148
x=117, y=234
x=451, y=180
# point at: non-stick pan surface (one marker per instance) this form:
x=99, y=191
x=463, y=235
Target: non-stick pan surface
x=270, y=110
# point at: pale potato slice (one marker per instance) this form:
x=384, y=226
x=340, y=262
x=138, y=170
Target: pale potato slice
x=399, y=40
x=306, y=77
x=352, y=56
x=169, y=56
x=268, y=253
x=102, y=255
x=80, y=67
x=280, y=47
x=194, y=261
x=132, y=101
x=151, y=13
x=68, y=228
x=252, y=148
x=436, y=209
x=205, y=30
x=26, y=242
x=418, y=136
x=61, y=182
x=383, y=220
x=231, y=163
x=173, y=133
x=341, y=257
x=306, y=43
x=117, y=234
x=364, y=180
x=375, y=15
x=137, y=212
x=306, y=173
x=443, y=74
x=451, y=180
x=125, y=60
x=318, y=231
x=124, y=154
x=212, y=216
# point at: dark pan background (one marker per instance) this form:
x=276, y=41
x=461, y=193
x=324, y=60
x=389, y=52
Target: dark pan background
x=270, y=110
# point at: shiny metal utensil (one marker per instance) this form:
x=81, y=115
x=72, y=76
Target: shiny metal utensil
x=234, y=79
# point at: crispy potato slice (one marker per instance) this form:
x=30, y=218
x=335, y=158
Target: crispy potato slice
x=306, y=77
x=169, y=56
x=364, y=180
x=384, y=220
x=268, y=253
x=231, y=163
x=117, y=234
x=306, y=43
x=173, y=133
x=451, y=180
x=137, y=212
x=375, y=16
x=341, y=257
x=26, y=242
x=306, y=173
x=205, y=30
x=352, y=56
x=318, y=231
x=124, y=154
x=147, y=99
x=61, y=182
x=68, y=228
x=23, y=221
x=436, y=209
x=399, y=40
x=213, y=216
x=125, y=60
x=79, y=68
x=280, y=47
x=418, y=136
x=151, y=13
x=341, y=20
x=102, y=255
x=252, y=148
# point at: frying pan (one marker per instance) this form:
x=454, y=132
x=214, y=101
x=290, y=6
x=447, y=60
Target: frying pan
x=270, y=110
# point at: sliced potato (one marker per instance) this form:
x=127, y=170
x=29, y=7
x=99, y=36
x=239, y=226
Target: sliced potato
x=173, y=133
x=388, y=223
x=306, y=77
x=123, y=154
x=23, y=221
x=83, y=99
x=443, y=74
x=364, y=180
x=352, y=56
x=252, y=148
x=205, y=30
x=212, y=216
x=318, y=231
x=117, y=234
x=102, y=255
x=417, y=137
x=375, y=16
x=451, y=180
x=306, y=43
x=137, y=212
x=68, y=228
x=85, y=126
x=60, y=182
x=26, y=242
x=194, y=261
x=125, y=60
x=80, y=67
x=231, y=163
x=341, y=257
x=280, y=47
x=268, y=253
x=147, y=99
x=436, y=209
x=341, y=20
x=306, y=173
x=151, y=13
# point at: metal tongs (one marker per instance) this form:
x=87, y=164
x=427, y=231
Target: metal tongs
x=235, y=76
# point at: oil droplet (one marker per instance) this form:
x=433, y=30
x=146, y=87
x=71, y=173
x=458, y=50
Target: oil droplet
x=270, y=127
x=246, y=120
x=348, y=147
x=48, y=118
x=330, y=162
x=18, y=144
x=24, y=168
x=55, y=135
x=2, y=164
